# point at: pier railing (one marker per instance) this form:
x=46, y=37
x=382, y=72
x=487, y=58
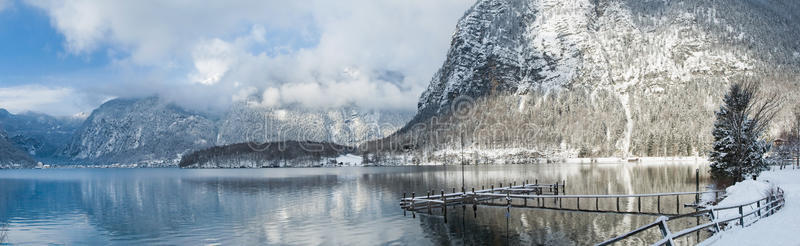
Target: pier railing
x=539, y=193
x=764, y=207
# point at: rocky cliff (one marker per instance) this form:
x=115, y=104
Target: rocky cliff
x=613, y=77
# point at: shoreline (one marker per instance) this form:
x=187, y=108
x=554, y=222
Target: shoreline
x=570, y=161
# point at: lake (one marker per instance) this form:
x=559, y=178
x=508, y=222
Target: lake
x=313, y=206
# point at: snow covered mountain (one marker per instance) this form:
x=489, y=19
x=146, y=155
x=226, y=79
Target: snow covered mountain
x=150, y=130
x=136, y=130
x=11, y=155
x=346, y=126
x=618, y=77
x=38, y=134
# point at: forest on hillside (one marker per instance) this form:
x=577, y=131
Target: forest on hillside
x=272, y=154
x=576, y=122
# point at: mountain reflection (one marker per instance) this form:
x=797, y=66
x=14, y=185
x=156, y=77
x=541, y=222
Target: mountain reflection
x=317, y=206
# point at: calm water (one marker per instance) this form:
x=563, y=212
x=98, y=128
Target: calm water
x=310, y=206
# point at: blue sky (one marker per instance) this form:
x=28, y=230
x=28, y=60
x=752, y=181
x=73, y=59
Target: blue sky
x=65, y=57
x=32, y=49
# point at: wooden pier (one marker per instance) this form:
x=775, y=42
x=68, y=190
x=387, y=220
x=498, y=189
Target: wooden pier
x=544, y=196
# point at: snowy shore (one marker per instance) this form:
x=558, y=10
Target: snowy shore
x=781, y=228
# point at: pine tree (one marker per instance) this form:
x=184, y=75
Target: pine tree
x=738, y=150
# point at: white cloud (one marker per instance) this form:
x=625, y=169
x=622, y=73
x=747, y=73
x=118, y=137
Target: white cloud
x=211, y=61
x=4, y=4
x=317, y=53
x=58, y=101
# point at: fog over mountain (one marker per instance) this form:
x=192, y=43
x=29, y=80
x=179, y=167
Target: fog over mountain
x=542, y=78
x=155, y=131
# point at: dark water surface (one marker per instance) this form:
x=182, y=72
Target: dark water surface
x=311, y=206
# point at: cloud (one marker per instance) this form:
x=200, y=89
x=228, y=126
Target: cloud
x=4, y=4
x=59, y=101
x=316, y=53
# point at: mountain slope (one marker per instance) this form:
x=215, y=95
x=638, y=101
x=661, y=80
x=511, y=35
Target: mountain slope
x=612, y=77
x=136, y=130
x=40, y=135
x=149, y=130
x=346, y=126
x=10, y=155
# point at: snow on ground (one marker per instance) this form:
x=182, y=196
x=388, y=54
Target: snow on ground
x=639, y=160
x=349, y=160
x=743, y=192
x=782, y=228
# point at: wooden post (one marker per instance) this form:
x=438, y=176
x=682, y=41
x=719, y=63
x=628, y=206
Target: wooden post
x=413, y=210
x=429, y=203
x=697, y=198
x=596, y=204
x=741, y=218
x=617, y=204
x=444, y=207
x=564, y=188
x=665, y=232
x=640, y=204
x=697, y=188
x=677, y=204
x=579, y=203
x=758, y=204
x=404, y=204
x=714, y=219
x=659, y=204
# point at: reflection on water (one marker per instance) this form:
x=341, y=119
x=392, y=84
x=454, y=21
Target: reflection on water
x=315, y=205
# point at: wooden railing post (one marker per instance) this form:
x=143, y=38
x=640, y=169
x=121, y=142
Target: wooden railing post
x=413, y=209
x=579, y=203
x=677, y=204
x=665, y=232
x=659, y=204
x=640, y=204
x=758, y=204
x=429, y=203
x=617, y=204
x=741, y=216
x=714, y=219
x=404, y=204
x=444, y=207
x=596, y=204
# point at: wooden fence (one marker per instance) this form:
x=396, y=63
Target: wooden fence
x=764, y=207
